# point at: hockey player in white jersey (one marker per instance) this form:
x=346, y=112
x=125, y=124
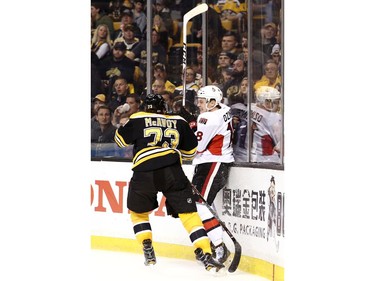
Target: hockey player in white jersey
x=266, y=126
x=214, y=156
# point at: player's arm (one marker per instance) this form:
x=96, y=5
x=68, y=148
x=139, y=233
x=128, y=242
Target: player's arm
x=190, y=118
x=188, y=144
x=277, y=135
x=124, y=134
x=205, y=133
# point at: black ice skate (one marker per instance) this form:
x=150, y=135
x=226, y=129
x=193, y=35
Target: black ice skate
x=220, y=252
x=207, y=260
x=149, y=253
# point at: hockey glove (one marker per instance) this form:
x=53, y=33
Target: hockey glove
x=190, y=118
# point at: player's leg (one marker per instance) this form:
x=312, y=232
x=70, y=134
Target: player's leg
x=180, y=201
x=142, y=198
x=209, y=179
x=143, y=234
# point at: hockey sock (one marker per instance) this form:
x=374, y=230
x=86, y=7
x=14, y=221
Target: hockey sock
x=211, y=225
x=198, y=236
x=141, y=226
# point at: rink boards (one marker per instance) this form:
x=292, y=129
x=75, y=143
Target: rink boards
x=245, y=205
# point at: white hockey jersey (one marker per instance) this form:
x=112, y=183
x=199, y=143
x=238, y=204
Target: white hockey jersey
x=214, y=134
x=266, y=128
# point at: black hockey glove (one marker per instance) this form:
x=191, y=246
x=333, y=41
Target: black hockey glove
x=190, y=118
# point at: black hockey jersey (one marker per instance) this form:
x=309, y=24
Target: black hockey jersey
x=159, y=140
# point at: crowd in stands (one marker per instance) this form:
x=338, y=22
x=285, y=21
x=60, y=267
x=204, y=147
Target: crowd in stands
x=119, y=61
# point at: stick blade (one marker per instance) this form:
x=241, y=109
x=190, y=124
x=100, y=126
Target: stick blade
x=199, y=9
x=236, y=258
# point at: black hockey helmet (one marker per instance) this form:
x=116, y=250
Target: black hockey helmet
x=154, y=103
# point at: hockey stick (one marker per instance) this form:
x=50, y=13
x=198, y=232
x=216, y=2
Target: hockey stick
x=237, y=247
x=199, y=9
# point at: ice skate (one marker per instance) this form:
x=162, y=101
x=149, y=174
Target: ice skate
x=206, y=259
x=220, y=252
x=149, y=253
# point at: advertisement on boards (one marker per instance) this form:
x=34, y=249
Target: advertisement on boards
x=252, y=206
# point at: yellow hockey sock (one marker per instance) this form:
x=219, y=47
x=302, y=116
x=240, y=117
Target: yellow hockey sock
x=141, y=226
x=194, y=226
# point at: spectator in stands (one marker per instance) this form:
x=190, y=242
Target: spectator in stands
x=127, y=18
x=160, y=27
x=191, y=87
x=232, y=11
x=139, y=53
x=168, y=99
x=115, y=9
x=117, y=64
x=134, y=102
x=101, y=41
x=233, y=85
x=197, y=66
x=127, y=32
x=224, y=61
x=105, y=132
x=160, y=71
x=224, y=77
x=158, y=86
x=276, y=56
x=123, y=112
x=164, y=12
x=139, y=16
x=120, y=91
x=271, y=76
x=267, y=39
x=190, y=80
x=229, y=43
x=241, y=95
x=99, y=100
x=99, y=16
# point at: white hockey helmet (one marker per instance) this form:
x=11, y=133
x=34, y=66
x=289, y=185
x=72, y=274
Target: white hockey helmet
x=269, y=94
x=264, y=93
x=210, y=92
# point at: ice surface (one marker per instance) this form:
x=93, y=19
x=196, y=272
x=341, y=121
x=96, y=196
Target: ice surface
x=116, y=266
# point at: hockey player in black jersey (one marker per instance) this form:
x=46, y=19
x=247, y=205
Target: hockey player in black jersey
x=160, y=143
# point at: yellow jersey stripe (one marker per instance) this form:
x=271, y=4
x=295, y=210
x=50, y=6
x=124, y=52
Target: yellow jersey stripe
x=152, y=156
